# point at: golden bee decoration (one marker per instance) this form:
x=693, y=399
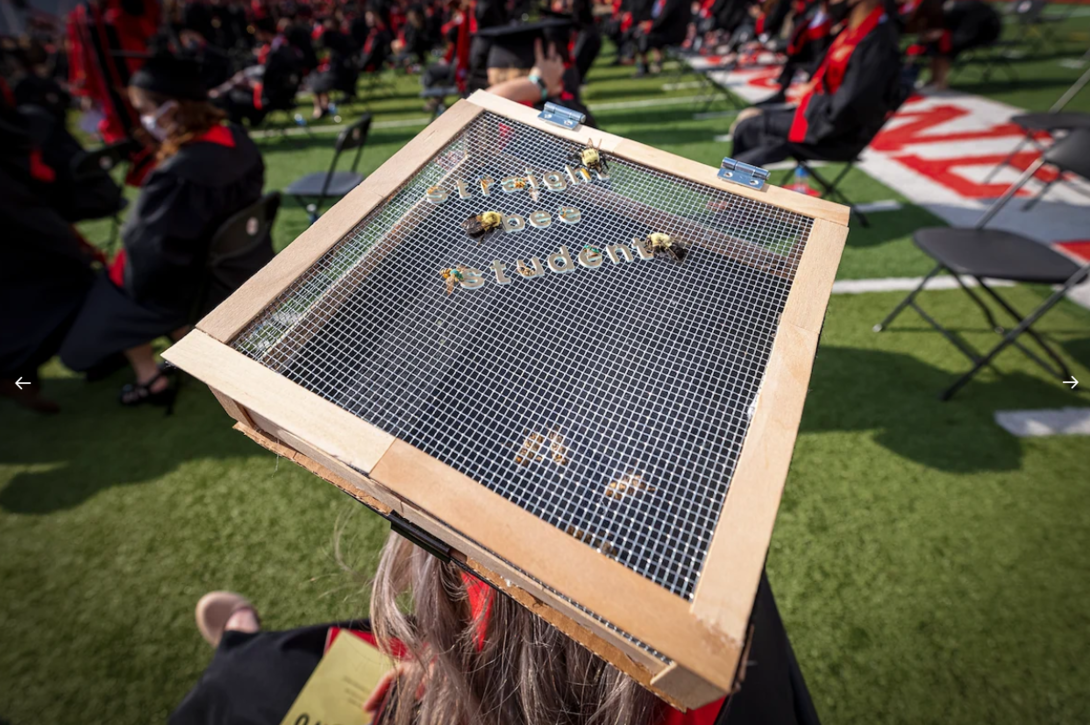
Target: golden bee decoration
x=591, y=157
x=556, y=447
x=480, y=224
x=452, y=276
x=628, y=485
x=530, y=448
x=660, y=243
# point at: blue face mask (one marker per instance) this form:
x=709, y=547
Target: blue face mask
x=151, y=122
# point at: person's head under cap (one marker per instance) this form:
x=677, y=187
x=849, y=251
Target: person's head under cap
x=512, y=54
x=172, y=101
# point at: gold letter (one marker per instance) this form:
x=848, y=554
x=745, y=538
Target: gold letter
x=554, y=181
x=497, y=267
x=641, y=247
x=561, y=256
x=570, y=215
x=510, y=184
x=590, y=258
x=462, y=190
x=526, y=272
x=471, y=278
x=437, y=195
x=612, y=250
x=513, y=223
x=486, y=184
x=540, y=219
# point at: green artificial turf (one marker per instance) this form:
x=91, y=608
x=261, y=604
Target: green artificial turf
x=930, y=567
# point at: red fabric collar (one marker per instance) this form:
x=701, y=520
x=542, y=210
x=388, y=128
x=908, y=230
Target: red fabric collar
x=220, y=135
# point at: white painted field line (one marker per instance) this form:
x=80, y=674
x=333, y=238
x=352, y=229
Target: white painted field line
x=905, y=284
x=646, y=103
x=681, y=86
x=723, y=138
x=298, y=130
x=1046, y=422
x=876, y=206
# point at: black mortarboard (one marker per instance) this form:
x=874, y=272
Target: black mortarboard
x=513, y=45
x=171, y=76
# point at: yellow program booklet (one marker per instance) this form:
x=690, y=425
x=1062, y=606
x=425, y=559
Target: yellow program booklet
x=343, y=680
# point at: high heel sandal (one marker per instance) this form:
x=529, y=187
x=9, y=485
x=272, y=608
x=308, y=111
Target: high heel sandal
x=141, y=393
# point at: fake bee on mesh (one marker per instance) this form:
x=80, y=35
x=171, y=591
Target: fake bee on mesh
x=628, y=485
x=591, y=157
x=453, y=276
x=661, y=244
x=478, y=225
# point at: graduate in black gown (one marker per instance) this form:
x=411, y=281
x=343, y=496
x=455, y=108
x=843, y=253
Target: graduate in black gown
x=844, y=104
x=339, y=71
x=966, y=24
x=46, y=269
x=206, y=172
x=271, y=84
x=668, y=25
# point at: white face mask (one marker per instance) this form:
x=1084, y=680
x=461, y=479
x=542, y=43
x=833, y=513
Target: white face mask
x=151, y=122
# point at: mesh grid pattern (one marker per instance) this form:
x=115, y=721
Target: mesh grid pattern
x=636, y=379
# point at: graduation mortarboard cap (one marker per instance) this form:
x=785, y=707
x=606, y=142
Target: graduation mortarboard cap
x=171, y=76
x=513, y=45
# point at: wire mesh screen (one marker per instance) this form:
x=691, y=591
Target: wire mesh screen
x=611, y=401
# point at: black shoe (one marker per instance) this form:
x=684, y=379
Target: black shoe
x=140, y=393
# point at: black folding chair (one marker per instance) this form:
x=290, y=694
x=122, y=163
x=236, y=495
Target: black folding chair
x=830, y=189
x=982, y=253
x=993, y=57
x=439, y=96
x=1051, y=122
x=1035, y=25
x=241, y=237
x=314, y=188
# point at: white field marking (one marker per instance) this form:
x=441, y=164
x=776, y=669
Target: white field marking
x=723, y=138
x=1036, y=423
x=906, y=284
x=779, y=165
x=296, y=131
x=875, y=206
x=425, y=120
x=1073, y=63
x=681, y=86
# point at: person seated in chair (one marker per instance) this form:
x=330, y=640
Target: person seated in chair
x=373, y=37
x=810, y=38
x=338, y=72
x=668, y=25
x=269, y=85
x=843, y=105
x=206, y=172
x=966, y=24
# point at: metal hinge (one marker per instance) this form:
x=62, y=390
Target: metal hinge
x=561, y=116
x=418, y=536
x=740, y=173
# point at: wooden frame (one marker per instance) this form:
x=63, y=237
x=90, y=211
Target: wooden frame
x=701, y=641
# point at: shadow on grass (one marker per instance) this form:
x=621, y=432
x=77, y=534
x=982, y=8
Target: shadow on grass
x=95, y=444
x=896, y=396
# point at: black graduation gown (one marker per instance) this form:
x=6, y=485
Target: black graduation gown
x=44, y=273
x=671, y=26
x=838, y=124
x=971, y=24
x=166, y=237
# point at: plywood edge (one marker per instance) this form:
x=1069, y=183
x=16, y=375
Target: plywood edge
x=285, y=451
x=631, y=602
x=266, y=393
x=665, y=161
x=813, y=283
x=687, y=688
x=605, y=643
x=732, y=568
x=230, y=317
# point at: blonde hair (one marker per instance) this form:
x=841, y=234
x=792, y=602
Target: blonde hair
x=504, y=666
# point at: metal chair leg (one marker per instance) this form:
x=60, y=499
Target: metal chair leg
x=907, y=300
x=1063, y=369
x=1006, y=162
x=1022, y=326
